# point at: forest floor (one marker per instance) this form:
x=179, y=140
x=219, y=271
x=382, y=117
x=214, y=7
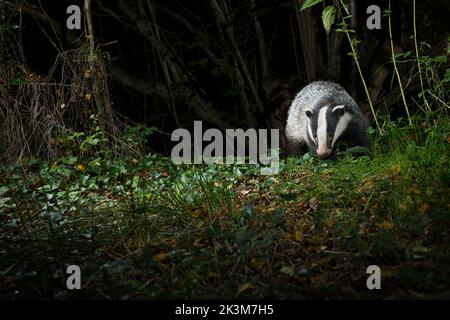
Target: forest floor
x=144, y=228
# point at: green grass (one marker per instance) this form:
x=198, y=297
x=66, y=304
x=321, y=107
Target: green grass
x=147, y=229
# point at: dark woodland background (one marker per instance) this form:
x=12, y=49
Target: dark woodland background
x=229, y=63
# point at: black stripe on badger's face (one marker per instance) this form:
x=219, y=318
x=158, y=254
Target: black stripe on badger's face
x=325, y=126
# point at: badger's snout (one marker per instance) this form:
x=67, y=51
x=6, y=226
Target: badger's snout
x=324, y=154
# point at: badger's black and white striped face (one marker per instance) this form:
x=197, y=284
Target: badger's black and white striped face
x=325, y=126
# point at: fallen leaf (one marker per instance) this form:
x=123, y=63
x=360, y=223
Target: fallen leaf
x=423, y=208
x=160, y=256
x=244, y=287
x=386, y=225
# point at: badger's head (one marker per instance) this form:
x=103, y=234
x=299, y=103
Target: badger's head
x=325, y=126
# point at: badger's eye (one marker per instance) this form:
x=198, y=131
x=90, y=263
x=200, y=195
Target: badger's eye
x=330, y=135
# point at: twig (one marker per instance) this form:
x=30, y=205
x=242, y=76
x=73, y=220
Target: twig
x=336, y=252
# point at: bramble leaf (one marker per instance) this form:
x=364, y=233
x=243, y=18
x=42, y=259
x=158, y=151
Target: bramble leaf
x=309, y=3
x=328, y=17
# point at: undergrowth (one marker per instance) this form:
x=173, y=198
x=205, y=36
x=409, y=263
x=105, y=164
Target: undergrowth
x=144, y=228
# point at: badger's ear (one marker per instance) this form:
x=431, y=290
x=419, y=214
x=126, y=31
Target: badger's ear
x=339, y=110
x=308, y=113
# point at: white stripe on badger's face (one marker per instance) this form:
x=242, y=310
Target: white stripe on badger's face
x=311, y=136
x=322, y=148
x=342, y=124
x=337, y=108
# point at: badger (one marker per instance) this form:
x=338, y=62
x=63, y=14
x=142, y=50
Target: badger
x=321, y=113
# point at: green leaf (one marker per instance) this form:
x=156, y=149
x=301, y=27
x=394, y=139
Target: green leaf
x=287, y=270
x=328, y=17
x=402, y=55
x=306, y=156
x=387, y=13
x=3, y=190
x=440, y=59
x=355, y=150
x=309, y=3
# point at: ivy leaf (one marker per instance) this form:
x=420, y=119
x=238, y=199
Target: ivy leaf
x=309, y=3
x=3, y=190
x=287, y=270
x=328, y=17
x=306, y=156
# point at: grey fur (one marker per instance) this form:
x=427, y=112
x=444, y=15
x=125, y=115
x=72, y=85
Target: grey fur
x=315, y=96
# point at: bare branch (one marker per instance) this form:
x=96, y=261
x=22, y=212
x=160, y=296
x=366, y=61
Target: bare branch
x=200, y=107
x=223, y=20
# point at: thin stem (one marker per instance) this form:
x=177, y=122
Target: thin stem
x=355, y=57
x=417, y=58
x=394, y=62
x=440, y=100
